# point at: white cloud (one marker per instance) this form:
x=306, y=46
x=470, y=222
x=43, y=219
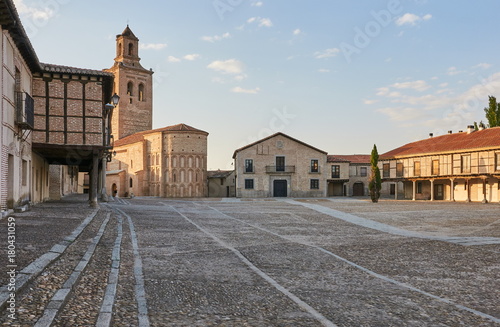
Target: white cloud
x=231, y=66
x=173, y=59
x=32, y=12
x=152, y=46
x=332, y=52
x=368, y=101
x=188, y=57
x=419, y=85
x=266, y=22
x=297, y=31
x=452, y=71
x=482, y=65
x=323, y=70
x=238, y=89
x=402, y=113
x=411, y=19
x=257, y=4
x=191, y=57
x=214, y=38
x=441, y=108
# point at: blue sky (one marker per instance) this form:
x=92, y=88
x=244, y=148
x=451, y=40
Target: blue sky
x=339, y=75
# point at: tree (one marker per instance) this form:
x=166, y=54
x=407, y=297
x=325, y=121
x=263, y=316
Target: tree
x=493, y=112
x=375, y=183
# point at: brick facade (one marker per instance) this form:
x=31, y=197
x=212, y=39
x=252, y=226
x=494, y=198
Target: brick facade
x=134, y=85
x=166, y=162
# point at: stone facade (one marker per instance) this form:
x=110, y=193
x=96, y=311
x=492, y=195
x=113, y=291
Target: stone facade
x=280, y=166
x=221, y=183
x=462, y=166
x=166, y=162
x=23, y=174
x=350, y=177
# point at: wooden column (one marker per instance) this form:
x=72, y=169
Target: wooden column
x=468, y=190
x=452, y=190
x=414, y=190
x=484, y=191
x=432, y=190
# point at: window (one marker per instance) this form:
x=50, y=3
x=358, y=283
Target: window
x=280, y=163
x=399, y=170
x=435, y=167
x=497, y=161
x=386, y=169
x=141, y=92
x=314, y=167
x=130, y=88
x=248, y=184
x=131, y=182
x=248, y=165
x=335, y=171
x=363, y=172
x=465, y=164
x=416, y=168
x=314, y=184
x=130, y=49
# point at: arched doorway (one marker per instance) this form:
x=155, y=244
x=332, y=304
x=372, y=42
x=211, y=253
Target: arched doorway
x=358, y=189
x=114, y=190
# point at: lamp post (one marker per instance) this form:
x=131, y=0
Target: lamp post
x=107, y=155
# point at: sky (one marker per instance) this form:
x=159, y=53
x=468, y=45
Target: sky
x=340, y=75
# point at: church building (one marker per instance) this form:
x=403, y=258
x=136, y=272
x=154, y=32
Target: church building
x=167, y=162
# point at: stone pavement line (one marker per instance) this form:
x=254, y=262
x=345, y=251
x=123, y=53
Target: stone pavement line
x=140, y=292
x=60, y=296
x=394, y=230
x=318, y=316
x=37, y=266
x=368, y=271
x=105, y=314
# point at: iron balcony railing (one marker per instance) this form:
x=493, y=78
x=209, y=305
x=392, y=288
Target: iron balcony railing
x=280, y=169
x=25, y=110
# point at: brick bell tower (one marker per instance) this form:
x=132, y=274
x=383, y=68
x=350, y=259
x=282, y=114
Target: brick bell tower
x=134, y=84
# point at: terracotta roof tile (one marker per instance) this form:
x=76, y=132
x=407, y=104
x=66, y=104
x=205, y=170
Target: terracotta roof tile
x=352, y=158
x=139, y=137
x=219, y=173
x=488, y=138
x=73, y=70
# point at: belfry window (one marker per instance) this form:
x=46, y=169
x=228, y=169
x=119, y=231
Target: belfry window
x=141, y=92
x=130, y=88
x=130, y=49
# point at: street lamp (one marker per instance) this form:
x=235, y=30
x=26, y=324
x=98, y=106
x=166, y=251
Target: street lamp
x=107, y=115
x=107, y=155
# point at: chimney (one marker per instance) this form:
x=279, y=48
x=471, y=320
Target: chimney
x=431, y=135
x=470, y=129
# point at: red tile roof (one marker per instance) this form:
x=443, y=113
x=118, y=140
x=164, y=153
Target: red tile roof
x=139, y=137
x=353, y=158
x=488, y=138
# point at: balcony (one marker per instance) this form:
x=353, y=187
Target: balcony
x=25, y=110
x=280, y=169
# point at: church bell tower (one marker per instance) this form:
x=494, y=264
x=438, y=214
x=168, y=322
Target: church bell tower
x=134, y=84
